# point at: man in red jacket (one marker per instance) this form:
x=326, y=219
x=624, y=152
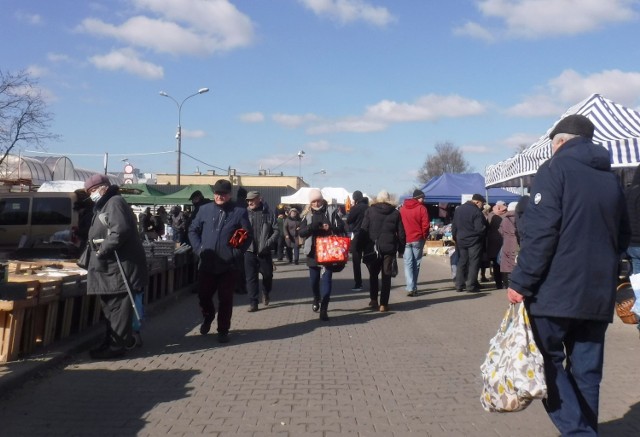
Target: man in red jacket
x=415, y=220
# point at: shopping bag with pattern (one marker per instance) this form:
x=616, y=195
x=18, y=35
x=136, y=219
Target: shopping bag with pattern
x=332, y=249
x=513, y=371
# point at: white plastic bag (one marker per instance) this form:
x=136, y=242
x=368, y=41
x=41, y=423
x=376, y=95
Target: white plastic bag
x=635, y=284
x=513, y=371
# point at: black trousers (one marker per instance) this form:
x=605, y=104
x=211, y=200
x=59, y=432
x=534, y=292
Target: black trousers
x=468, y=267
x=380, y=266
x=253, y=266
x=118, y=315
x=222, y=284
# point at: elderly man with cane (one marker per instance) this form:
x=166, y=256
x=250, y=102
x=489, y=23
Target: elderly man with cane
x=117, y=265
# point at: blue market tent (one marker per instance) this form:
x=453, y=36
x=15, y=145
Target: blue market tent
x=450, y=187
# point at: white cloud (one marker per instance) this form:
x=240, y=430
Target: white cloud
x=348, y=125
x=129, y=61
x=516, y=140
x=377, y=117
x=570, y=87
x=37, y=71
x=57, y=57
x=544, y=18
x=290, y=120
x=429, y=107
x=193, y=133
x=192, y=27
x=474, y=30
x=348, y=11
x=25, y=17
x=252, y=117
x=619, y=86
x=540, y=105
x=476, y=149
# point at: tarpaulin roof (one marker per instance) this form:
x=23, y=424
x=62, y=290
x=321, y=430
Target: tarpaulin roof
x=449, y=188
x=337, y=195
x=617, y=128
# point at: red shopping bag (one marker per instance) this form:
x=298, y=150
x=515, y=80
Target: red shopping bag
x=332, y=249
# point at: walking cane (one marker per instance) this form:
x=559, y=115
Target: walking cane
x=124, y=278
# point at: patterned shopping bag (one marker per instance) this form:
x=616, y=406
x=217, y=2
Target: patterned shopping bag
x=332, y=249
x=513, y=371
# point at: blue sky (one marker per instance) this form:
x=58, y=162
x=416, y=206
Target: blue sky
x=365, y=87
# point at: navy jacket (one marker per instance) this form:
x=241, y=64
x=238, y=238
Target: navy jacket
x=211, y=231
x=469, y=225
x=576, y=227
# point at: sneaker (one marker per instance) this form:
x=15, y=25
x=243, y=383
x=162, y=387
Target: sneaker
x=223, y=337
x=106, y=353
x=253, y=308
x=356, y=288
x=411, y=294
x=206, y=325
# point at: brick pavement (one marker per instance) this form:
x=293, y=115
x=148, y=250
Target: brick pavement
x=414, y=370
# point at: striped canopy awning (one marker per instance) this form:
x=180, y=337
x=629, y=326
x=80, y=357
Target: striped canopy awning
x=617, y=129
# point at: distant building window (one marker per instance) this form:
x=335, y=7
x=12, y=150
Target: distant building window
x=14, y=211
x=51, y=211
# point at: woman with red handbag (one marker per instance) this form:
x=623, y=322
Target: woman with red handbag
x=383, y=233
x=320, y=220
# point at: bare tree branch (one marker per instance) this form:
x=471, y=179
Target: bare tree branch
x=447, y=159
x=23, y=113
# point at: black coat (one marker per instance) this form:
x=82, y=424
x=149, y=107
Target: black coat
x=311, y=227
x=115, y=224
x=469, y=225
x=576, y=228
x=382, y=225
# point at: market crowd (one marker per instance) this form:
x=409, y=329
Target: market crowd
x=556, y=250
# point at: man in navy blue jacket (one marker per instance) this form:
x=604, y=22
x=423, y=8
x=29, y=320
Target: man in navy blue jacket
x=219, y=268
x=468, y=229
x=576, y=227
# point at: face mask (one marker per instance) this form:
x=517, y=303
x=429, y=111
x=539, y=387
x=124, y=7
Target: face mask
x=95, y=196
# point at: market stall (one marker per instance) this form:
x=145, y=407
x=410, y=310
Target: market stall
x=44, y=301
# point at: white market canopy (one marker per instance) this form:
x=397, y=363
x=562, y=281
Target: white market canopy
x=617, y=129
x=333, y=195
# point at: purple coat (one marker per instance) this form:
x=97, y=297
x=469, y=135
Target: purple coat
x=509, y=242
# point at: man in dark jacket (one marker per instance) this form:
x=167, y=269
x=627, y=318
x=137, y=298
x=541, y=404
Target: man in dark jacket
x=354, y=221
x=219, y=267
x=113, y=236
x=257, y=258
x=468, y=229
x=576, y=227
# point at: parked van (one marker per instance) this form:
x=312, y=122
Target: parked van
x=32, y=217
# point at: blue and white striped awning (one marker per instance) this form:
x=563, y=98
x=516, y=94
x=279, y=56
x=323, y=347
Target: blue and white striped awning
x=617, y=129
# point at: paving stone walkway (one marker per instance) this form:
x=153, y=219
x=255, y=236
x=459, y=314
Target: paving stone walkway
x=411, y=371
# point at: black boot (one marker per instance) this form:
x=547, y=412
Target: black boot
x=324, y=306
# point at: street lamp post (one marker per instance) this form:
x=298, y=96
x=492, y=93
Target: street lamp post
x=300, y=155
x=179, y=134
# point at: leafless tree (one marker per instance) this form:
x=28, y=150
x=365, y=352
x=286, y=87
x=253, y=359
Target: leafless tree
x=23, y=113
x=447, y=159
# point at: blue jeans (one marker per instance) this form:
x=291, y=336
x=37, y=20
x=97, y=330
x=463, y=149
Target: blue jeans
x=573, y=389
x=412, y=257
x=634, y=254
x=320, y=284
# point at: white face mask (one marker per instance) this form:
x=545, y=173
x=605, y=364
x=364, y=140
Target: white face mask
x=95, y=196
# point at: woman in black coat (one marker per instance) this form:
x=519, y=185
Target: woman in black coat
x=319, y=221
x=382, y=227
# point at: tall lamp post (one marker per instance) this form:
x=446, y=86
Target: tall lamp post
x=179, y=134
x=300, y=155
